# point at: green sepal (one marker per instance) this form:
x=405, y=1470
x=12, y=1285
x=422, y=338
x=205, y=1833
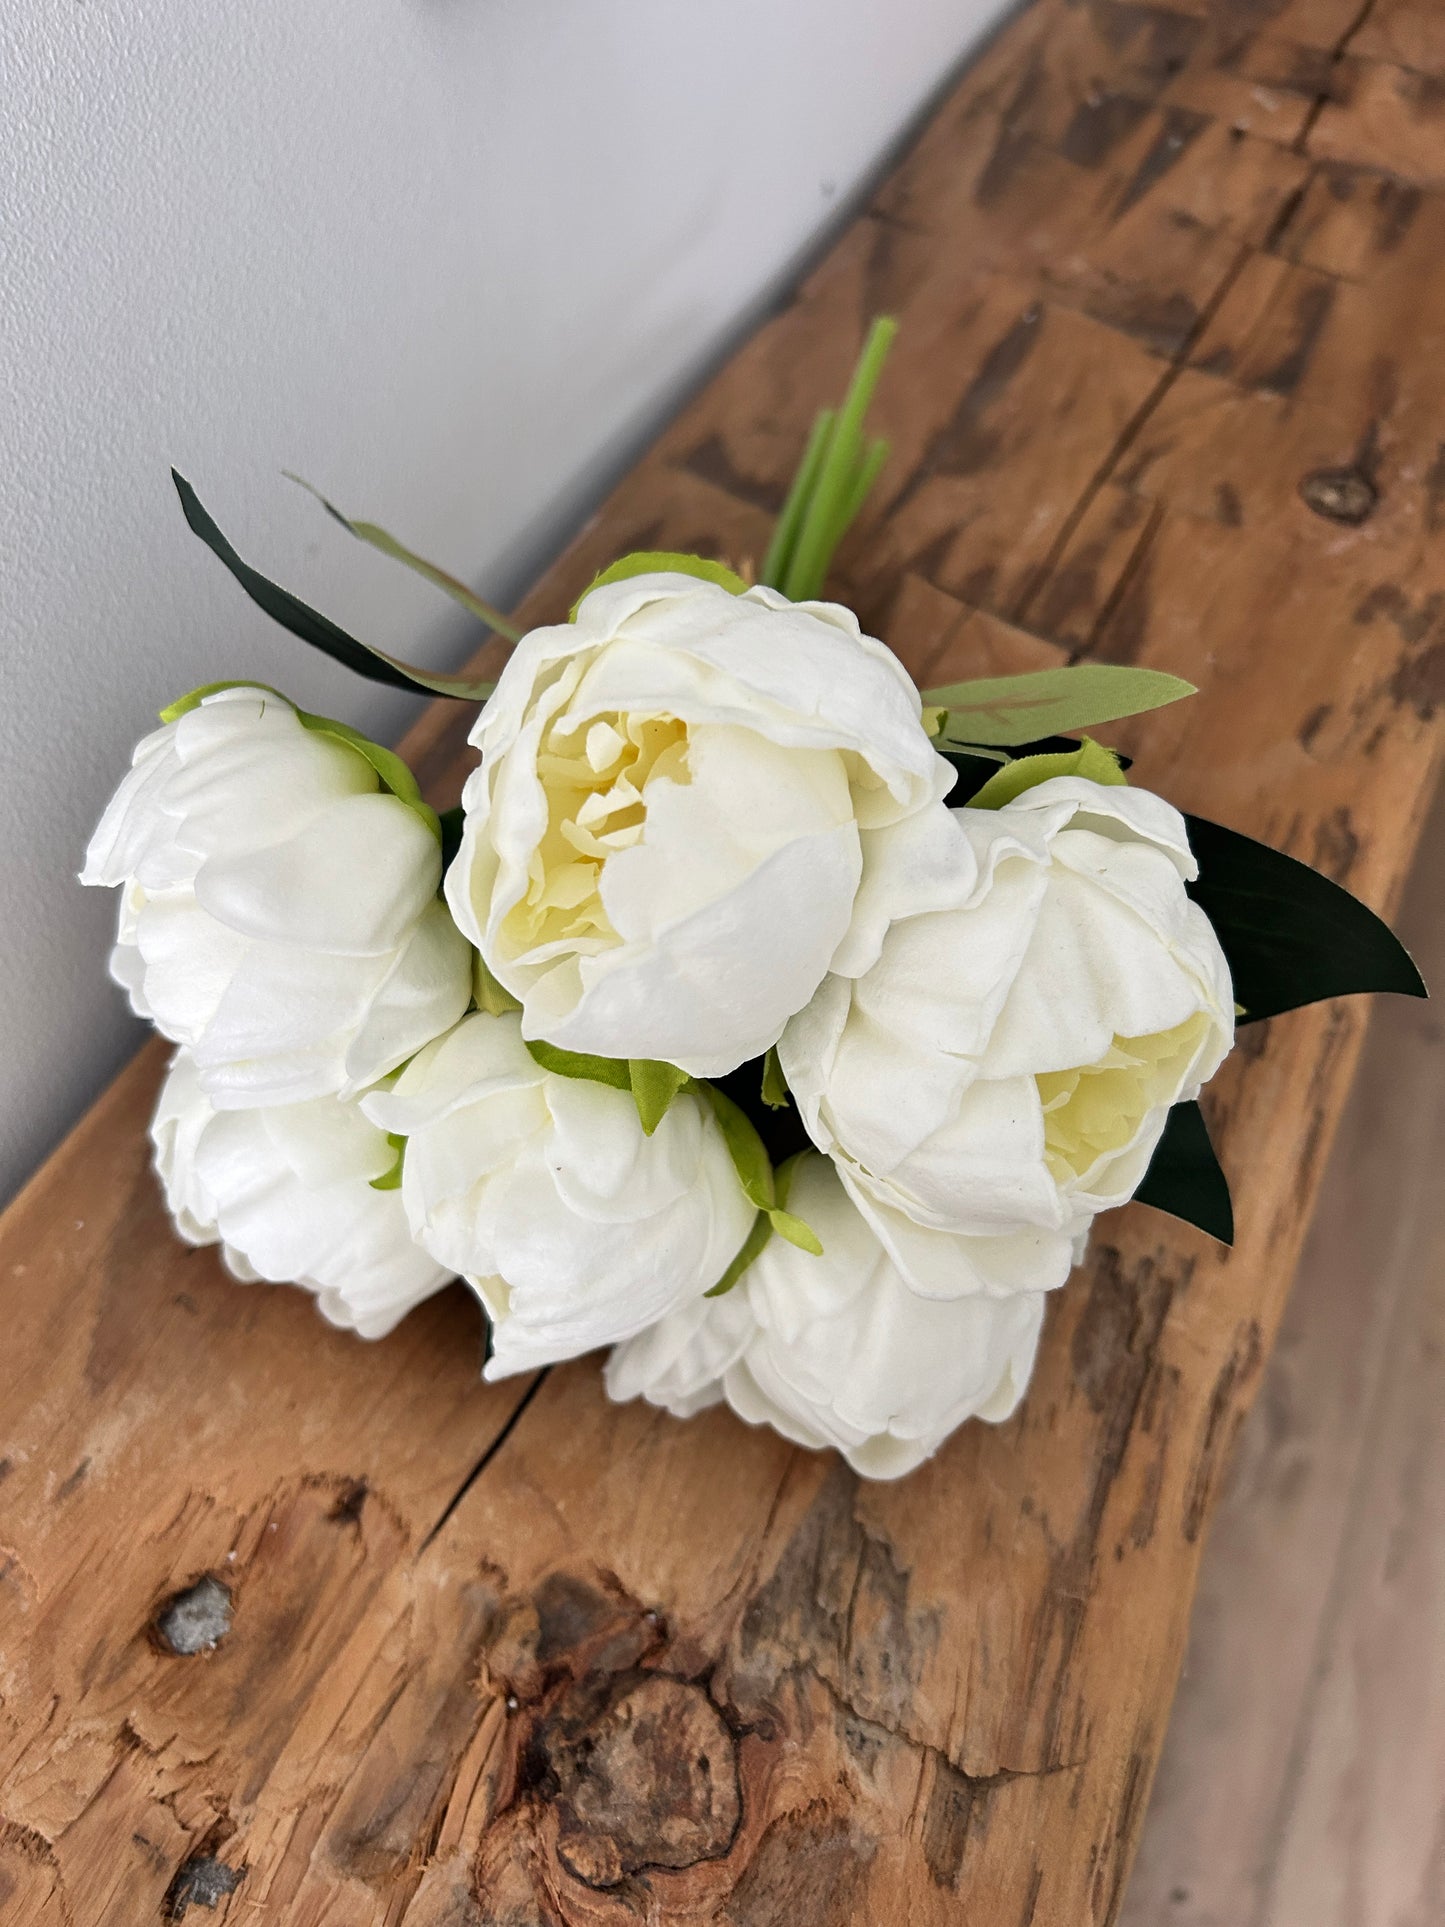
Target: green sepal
x=390, y=1180
x=183, y=705
x=651, y=1084
x=662, y=562
x=389, y=767
x=377, y=537
x=612, y=1071
x=1091, y=760
x=394, y=774
x=1290, y=935
x=494, y=998
x=755, y=1170
x=1185, y=1177
x=310, y=626
x=774, y=1085
x=654, y=1086
x=751, y=1247
x=1006, y=710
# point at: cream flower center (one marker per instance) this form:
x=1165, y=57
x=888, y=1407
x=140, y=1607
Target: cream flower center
x=1093, y=1112
x=595, y=774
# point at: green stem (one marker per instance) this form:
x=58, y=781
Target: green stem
x=838, y=471
x=785, y=536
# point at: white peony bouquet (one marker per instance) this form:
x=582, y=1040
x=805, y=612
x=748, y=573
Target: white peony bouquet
x=778, y=1025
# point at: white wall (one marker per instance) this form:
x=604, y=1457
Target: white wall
x=447, y=258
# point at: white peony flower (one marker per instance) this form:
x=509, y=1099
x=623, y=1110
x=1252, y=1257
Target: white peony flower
x=662, y=841
x=280, y=915
x=839, y=1350
x=574, y=1228
x=286, y=1191
x=1024, y=994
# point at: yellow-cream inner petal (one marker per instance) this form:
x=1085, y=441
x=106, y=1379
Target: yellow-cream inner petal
x=1095, y=1110
x=595, y=774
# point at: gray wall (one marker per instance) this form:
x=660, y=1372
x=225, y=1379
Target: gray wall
x=450, y=259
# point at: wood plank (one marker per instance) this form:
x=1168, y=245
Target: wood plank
x=1266, y=1804
x=513, y=1655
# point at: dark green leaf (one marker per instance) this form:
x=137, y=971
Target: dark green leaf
x=320, y=631
x=1184, y=1176
x=1291, y=935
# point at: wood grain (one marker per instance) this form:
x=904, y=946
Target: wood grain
x=510, y=1655
x=1301, y=1782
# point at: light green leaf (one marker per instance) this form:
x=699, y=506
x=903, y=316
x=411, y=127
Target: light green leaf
x=1090, y=760
x=654, y=1086
x=745, y=1147
x=390, y=1180
x=1003, y=710
x=797, y=1232
x=489, y=995
x=775, y=1085
x=755, y=1171
x=612, y=1071
x=661, y=562
x=751, y=1247
x=378, y=538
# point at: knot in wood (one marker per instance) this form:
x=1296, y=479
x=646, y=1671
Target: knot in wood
x=646, y=1775
x=1340, y=495
x=196, y=1620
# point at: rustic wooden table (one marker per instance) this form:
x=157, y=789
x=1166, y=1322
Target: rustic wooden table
x=308, y=1630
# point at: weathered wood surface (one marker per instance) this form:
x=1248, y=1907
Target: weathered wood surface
x=1302, y=1782
x=1168, y=390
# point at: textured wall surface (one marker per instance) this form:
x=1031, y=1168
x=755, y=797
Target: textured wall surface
x=448, y=258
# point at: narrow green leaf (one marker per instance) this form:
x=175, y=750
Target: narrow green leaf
x=745, y=1147
x=775, y=1085
x=1185, y=1178
x=378, y=538
x=785, y=535
x=755, y=1170
x=320, y=631
x=1090, y=759
x=752, y=1245
x=1005, y=710
x=612, y=1071
x=662, y=562
x=654, y=1086
x=390, y=1180
x=1291, y=935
